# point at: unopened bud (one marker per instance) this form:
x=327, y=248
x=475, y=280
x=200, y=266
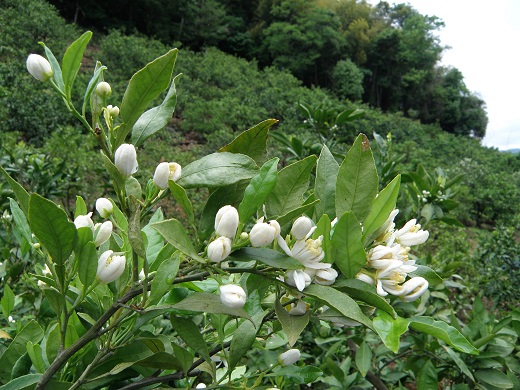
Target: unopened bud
x=103, y=89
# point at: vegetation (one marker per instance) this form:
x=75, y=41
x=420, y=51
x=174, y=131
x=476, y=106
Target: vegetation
x=326, y=71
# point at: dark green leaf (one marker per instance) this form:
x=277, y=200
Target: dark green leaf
x=266, y=256
x=190, y=333
x=22, y=382
x=174, y=233
x=347, y=245
x=243, y=339
x=427, y=377
x=293, y=326
x=181, y=197
x=363, y=358
x=325, y=186
x=460, y=363
x=20, y=220
x=366, y=293
x=7, y=301
x=163, y=280
x=21, y=195
x=297, y=212
x=357, y=182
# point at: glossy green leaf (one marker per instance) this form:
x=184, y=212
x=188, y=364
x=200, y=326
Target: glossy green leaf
x=293, y=326
x=36, y=356
x=427, y=377
x=339, y=301
x=363, y=358
x=390, y=330
x=217, y=170
x=325, y=185
x=357, y=182
x=19, y=192
x=243, y=339
x=204, y=302
x=72, y=61
x=347, y=245
x=258, y=189
x=366, y=293
x=52, y=227
x=444, y=332
x=494, y=377
x=30, y=332
x=427, y=273
x=175, y=234
x=189, y=332
x=7, y=301
x=163, y=280
x=55, y=66
x=293, y=181
x=156, y=118
x=252, y=142
x=181, y=197
x=87, y=264
x=144, y=87
x=266, y=256
x=380, y=209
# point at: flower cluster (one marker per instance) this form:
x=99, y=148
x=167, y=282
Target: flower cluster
x=389, y=263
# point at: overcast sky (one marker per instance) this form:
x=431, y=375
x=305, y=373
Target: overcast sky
x=484, y=37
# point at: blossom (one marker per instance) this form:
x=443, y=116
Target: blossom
x=39, y=67
x=411, y=234
x=219, y=249
x=103, y=89
x=264, y=233
x=232, y=296
x=301, y=228
x=414, y=288
x=298, y=278
x=125, y=159
x=166, y=171
x=113, y=111
x=110, y=267
x=84, y=221
x=298, y=309
x=289, y=357
x=309, y=253
x=226, y=221
x=102, y=232
x=326, y=277
x=104, y=207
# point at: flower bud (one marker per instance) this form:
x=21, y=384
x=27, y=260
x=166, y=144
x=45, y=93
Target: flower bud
x=298, y=278
x=301, y=227
x=226, y=221
x=166, y=171
x=326, y=276
x=104, y=207
x=219, y=249
x=414, y=288
x=103, y=232
x=84, y=221
x=125, y=159
x=113, y=111
x=110, y=267
x=39, y=67
x=289, y=357
x=103, y=89
x=232, y=296
x=299, y=308
x=263, y=234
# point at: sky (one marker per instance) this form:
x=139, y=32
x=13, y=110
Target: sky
x=484, y=37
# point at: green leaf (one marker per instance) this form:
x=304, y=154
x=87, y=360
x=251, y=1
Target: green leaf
x=19, y=192
x=293, y=326
x=380, y=209
x=444, y=332
x=357, y=182
x=115, y=174
x=181, y=197
x=174, y=233
x=427, y=377
x=217, y=170
x=7, y=301
x=390, y=330
x=339, y=301
x=323, y=229
x=363, y=358
x=184, y=356
x=258, y=189
x=92, y=84
x=266, y=256
x=494, y=377
x=160, y=361
x=143, y=88
x=30, y=332
x=22, y=382
x=53, y=229
x=203, y=302
x=190, y=334
x=36, y=356
x=20, y=220
x=427, y=273
x=55, y=66
x=366, y=293
x=72, y=61
x=87, y=264
x=252, y=142
x=295, y=213
x=156, y=118
x=325, y=186
x=163, y=280
x=460, y=363
x=243, y=339
x=347, y=245
x=81, y=207
x=293, y=182
x=134, y=234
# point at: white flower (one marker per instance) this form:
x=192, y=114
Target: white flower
x=411, y=234
x=414, y=288
x=326, y=277
x=11, y=319
x=365, y=278
x=226, y=221
x=103, y=89
x=200, y=386
x=103, y=232
x=104, y=207
x=299, y=308
x=301, y=228
x=232, y=296
x=298, y=278
x=39, y=67
x=309, y=253
x=125, y=159
x=166, y=171
x=84, y=221
x=110, y=267
x=264, y=233
x=219, y=249
x=289, y=357
x=113, y=111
